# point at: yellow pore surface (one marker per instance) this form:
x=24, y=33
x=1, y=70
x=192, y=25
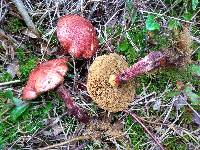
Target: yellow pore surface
x=107, y=97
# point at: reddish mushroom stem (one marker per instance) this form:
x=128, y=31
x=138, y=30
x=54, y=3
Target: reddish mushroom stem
x=152, y=61
x=70, y=104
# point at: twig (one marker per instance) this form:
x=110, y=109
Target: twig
x=195, y=39
x=83, y=137
x=135, y=117
x=21, y=8
x=80, y=147
x=9, y=82
x=159, y=14
x=4, y=36
x=48, y=126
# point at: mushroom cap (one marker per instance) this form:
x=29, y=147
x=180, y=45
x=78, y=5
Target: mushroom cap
x=107, y=97
x=77, y=36
x=44, y=77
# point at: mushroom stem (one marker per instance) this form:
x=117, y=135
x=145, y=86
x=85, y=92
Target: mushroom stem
x=152, y=61
x=73, y=109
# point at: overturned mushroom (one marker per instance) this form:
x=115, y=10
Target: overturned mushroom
x=47, y=76
x=77, y=36
x=108, y=72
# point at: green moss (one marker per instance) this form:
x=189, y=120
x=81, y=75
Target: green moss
x=161, y=78
x=5, y=76
x=162, y=42
x=20, y=55
x=26, y=68
x=136, y=134
x=26, y=63
x=137, y=36
x=14, y=25
x=29, y=122
x=126, y=49
x=186, y=118
x=53, y=40
x=175, y=143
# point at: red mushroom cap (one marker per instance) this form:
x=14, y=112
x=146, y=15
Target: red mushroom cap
x=77, y=36
x=44, y=77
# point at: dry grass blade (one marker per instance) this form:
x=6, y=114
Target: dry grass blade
x=8, y=38
x=79, y=138
x=145, y=128
x=9, y=82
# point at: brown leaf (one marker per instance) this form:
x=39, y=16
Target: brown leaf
x=57, y=130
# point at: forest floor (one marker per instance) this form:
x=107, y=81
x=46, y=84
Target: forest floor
x=167, y=101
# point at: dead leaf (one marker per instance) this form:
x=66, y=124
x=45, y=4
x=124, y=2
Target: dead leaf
x=47, y=133
x=156, y=105
x=196, y=118
x=180, y=101
x=13, y=68
x=57, y=130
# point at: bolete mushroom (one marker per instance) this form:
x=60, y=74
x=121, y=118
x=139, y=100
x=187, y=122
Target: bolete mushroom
x=106, y=74
x=49, y=75
x=109, y=78
x=77, y=36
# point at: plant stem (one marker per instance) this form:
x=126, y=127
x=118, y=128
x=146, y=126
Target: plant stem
x=84, y=137
x=136, y=118
x=8, y=38
x=9, y=82
x=152, y=61
x=70, y=104
x=21, y=8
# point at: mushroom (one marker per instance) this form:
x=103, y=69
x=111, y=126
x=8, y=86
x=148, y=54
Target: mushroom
x=107, y=96
x=77, y=36
x=47, y=76
x=108, y=72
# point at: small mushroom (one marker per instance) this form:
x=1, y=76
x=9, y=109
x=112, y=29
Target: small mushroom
x=47, y=76
x=109, y=78
x=77, y=36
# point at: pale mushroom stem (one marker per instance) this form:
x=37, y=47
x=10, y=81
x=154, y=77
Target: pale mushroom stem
x=73, y=109
x=152, y=61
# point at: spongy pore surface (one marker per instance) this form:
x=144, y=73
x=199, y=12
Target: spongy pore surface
x=107, y=97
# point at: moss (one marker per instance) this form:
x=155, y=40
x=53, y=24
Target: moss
x=14, y=25
x=26, y=63
x=5, y=76
x=175, y=143
x=136, y=134
x=29, y=122
x=137, y=36
x=161, y=78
